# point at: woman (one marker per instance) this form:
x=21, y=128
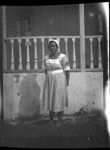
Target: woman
x=55, y=96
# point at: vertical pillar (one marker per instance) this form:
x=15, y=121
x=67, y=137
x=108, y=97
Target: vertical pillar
x=91, y=54
x=74, y=54
x=82, y=36
x=35, y=53
x=43, y=52
x=20, y=55
x=12, y=54
x=66, y=47
x=4, y=36
x=28, y=55
x=59, y=44
x=99, y=51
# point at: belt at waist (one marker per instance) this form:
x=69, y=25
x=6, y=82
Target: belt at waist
x=55, y=71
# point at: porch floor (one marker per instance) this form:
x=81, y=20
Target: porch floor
x=87, y=130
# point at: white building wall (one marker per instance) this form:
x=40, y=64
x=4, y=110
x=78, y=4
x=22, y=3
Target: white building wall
x=22, y=93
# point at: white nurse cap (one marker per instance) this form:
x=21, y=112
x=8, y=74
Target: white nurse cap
x=54, y=40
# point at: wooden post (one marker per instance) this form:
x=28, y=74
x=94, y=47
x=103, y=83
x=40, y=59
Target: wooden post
x=43, y=53
x=28, y=55
x=4, y=37
x=91, y=53
x=66, y=48
x=58, y=39
x=99, y=57
x=20, y=55
x=74, y=54
x=82, y=36
x=35, y=53
x=12, y=54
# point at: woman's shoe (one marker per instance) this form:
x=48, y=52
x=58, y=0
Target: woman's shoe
x=59, y=123
x=51, y=122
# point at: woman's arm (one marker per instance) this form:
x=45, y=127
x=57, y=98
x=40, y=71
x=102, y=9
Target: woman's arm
x=66, y=67
x=45, y=71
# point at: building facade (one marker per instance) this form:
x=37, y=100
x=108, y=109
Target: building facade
x=80, y=29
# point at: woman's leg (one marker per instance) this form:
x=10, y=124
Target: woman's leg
x=60, y=115
x=51, y=115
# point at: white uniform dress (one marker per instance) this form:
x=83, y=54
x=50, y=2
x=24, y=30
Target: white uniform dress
x=55, y=96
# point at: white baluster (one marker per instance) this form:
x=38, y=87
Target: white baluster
x=91, y=53
x=35, y=53
x=20, y=55
x=66, y=47
x=43, y=53
x=58, y=39
x=28, y=56
x=74, y=54
x=12, y=54
x=99, y=50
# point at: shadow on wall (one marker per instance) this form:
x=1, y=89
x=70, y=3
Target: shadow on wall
x=30, y=94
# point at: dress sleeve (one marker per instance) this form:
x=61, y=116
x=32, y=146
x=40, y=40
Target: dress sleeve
x=45, y=59
x=64, y=62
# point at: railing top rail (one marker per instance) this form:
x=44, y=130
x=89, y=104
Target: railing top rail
x=93, y=36
x=75, y=36
x=39, y=37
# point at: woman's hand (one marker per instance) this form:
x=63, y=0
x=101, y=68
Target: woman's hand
x=67, y=74
x=45, y=71
x=67, y=82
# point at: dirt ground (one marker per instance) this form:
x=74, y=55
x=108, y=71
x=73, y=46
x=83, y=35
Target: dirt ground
x=75, y=131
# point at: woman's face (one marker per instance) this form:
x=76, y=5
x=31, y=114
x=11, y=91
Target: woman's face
x=52, y=47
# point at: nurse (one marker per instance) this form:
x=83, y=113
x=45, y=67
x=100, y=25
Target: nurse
x=57, y=71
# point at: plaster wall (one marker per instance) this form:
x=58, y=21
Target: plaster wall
x=22, y=93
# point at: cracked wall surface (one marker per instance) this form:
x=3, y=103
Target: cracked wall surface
x=22, y=93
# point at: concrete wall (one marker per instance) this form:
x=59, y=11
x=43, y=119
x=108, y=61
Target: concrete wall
x=22, y=93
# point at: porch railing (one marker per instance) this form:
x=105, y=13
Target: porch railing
x=28, y=42
x=91, y=39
